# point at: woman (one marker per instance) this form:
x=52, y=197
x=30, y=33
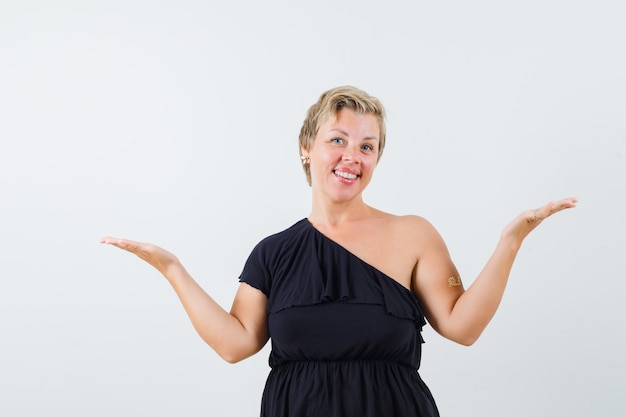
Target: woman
x=344, y=293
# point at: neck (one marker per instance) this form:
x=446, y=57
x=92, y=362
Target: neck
x=335, y=213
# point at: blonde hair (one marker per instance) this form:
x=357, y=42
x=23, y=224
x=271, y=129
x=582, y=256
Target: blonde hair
x=327, y=106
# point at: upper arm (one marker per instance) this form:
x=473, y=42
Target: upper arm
x=250, y=308
x=436, y=280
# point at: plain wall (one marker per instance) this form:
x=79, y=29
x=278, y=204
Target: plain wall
x=176, y=122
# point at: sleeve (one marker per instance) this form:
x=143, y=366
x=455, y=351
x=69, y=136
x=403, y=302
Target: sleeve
x=256, y=271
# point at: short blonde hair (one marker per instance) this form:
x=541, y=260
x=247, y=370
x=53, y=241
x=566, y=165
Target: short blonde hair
x=329, y=103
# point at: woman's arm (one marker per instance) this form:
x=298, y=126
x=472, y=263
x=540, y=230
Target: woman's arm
x=235, y=335
x=462, y=315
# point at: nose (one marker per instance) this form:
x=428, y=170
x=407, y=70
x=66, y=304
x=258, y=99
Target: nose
x=350, y=155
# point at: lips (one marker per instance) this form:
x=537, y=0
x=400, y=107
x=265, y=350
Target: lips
x=346, y=174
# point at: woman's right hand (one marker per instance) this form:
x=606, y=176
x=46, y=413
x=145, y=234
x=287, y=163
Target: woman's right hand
x=235, y=335
x=156, y=256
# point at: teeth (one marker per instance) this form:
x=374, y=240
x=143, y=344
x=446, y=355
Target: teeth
x=346, y=175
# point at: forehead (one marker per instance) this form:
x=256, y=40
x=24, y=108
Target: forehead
x=350, y=122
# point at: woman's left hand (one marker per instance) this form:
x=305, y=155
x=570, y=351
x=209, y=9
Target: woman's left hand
x=528, y=220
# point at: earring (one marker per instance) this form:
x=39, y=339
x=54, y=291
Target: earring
x=304, y=159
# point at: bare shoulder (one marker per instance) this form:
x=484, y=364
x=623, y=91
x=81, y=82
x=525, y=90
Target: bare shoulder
x=411, y=221
x=415, y=226
x=411, y=230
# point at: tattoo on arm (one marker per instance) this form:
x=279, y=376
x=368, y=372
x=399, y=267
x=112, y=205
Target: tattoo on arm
x=454, y=282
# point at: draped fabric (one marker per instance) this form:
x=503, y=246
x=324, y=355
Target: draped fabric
x=346, y=338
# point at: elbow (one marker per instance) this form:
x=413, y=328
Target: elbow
x=232, y=359
x=235, y=354
x=468, y=338
x=463, y=332
x=464, y=338
x=466, y=341
x=234, y=351
x=231, y=356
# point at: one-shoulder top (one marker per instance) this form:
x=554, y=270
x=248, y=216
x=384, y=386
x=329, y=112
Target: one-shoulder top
x=346, y=338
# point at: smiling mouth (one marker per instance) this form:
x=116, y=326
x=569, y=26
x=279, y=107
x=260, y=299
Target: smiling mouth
x=346, y=175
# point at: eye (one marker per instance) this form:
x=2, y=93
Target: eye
x=336, y=140
x=368, y=147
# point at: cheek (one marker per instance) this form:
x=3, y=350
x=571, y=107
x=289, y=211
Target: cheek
x=327, y=160
x=369, y=165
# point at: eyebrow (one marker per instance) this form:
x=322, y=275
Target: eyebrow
x=346, y=134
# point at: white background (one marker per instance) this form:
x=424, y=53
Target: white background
x=176, y=122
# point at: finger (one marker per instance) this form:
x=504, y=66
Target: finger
x=568, y=202
x=114, y=241
x=107, y=240
x=563, y=204
x=125, y=244
x=551, y=208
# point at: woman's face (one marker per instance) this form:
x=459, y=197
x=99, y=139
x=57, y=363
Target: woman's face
x=344, y=155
